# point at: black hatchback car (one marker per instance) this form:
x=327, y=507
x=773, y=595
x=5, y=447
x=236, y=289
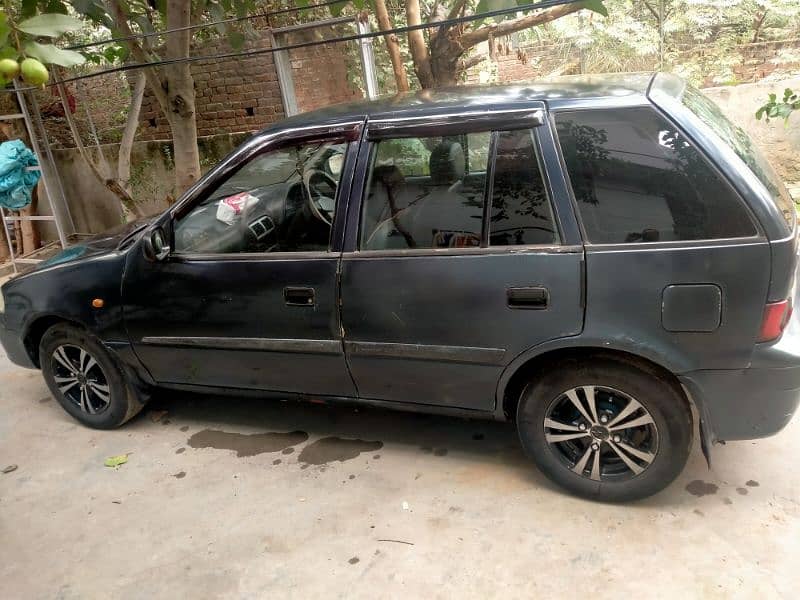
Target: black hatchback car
x=597, y=259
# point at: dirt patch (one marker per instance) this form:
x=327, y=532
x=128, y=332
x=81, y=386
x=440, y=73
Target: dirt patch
x=331, y=449
x=245, y=444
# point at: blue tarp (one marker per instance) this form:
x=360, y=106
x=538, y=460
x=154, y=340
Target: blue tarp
x=16, y=183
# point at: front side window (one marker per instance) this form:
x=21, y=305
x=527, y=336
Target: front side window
x=636, y=178
x=280, y=201
x=430, y=192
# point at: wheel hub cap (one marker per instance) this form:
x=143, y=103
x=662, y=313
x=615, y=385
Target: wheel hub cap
x=80, y=379
x=601, y=433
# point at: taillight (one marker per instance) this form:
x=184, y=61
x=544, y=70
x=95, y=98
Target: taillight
x=776, y=317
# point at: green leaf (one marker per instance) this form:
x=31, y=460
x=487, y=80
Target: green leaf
x=760, y=113
x=50, y=25
x=787, y=93
x=596, y=6
x=115, y=461
x=9, y=52
x=50, y=54
x=56, y=6
x=236, y=39
x=28, y=8
x=5, y=29
x=336, y=9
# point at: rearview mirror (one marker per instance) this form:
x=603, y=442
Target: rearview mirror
x=155, y=244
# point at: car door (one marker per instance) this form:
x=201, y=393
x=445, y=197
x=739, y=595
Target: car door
x=462, y=255
x=247, y=298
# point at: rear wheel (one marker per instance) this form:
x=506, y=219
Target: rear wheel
x=606, y=429
x=85, y=378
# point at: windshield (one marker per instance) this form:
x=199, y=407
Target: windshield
x=740, y=142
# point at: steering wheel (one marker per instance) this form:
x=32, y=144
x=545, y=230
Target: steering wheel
x=321, y=190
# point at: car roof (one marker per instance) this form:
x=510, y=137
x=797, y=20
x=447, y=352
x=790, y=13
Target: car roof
x=556, y=92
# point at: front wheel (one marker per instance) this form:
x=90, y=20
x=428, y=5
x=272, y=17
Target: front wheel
x=605, y=429
x=85, y=378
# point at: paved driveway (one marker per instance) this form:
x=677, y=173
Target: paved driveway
x=230, y=497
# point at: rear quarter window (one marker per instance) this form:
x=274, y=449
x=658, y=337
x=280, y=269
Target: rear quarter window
x=738, y=140
x=636, y=178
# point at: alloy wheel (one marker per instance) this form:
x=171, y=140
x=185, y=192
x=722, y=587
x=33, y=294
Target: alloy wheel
x=80, y=379
x=601, y=433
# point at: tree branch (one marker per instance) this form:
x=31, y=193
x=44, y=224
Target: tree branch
x=466, y=63
x=652, y=10
x=475, y=37
x=392, y=46
x=457, y=8
x=120, y=18
x=417, y=46
x=129, y=133
x=105, y=178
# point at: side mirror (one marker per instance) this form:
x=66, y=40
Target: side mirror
x=155, y=244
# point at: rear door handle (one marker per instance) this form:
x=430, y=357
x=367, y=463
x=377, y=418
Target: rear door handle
x=298, y=296
x=528, y=297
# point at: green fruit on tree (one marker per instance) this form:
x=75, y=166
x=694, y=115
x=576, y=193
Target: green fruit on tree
x=33, y=72
x=9, y=68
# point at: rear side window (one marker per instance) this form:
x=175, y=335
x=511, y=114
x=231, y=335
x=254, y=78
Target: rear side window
x=521, y=213
x=636, y=178
x=425, y=193
x=430, y=193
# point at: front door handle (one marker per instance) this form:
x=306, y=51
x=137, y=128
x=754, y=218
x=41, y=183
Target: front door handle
x=528, y=297
x=298, y=296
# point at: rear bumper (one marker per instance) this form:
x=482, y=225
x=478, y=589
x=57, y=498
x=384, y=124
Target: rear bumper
x=759, y=401
x=14, y=345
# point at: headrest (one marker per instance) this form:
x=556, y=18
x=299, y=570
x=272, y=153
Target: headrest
x=446, y=163
x=388, y=175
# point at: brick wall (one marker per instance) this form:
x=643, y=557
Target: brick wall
x=320, y=76
x=231, y=95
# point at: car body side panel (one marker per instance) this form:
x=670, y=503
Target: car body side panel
x=65, y=292
x=624, y=296
x=439, y=330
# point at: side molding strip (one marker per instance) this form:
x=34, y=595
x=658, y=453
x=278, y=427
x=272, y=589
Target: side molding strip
x=463, y=354
x=262, y=344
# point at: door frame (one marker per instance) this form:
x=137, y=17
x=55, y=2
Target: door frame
x=349, y=130
x=531, y=115
x=345, y=129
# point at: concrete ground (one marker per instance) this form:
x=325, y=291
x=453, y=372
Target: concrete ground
x=236, y=498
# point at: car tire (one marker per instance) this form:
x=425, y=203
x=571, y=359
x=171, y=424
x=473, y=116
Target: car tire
x=86, y=379
x=570, y=421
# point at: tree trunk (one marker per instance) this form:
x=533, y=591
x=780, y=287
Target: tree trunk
x=180, y=98
x=392, y=46
x=174, y=92
x=126, y=144
x=101, y=171
x=444, y=64
x=417, y=46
